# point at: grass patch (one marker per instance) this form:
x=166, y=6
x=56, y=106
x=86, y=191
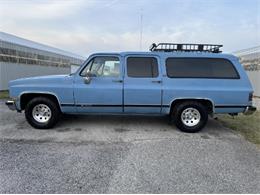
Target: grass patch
x=4, y=94
x=248, y=126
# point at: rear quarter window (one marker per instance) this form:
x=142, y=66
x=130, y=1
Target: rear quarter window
x=217, y=68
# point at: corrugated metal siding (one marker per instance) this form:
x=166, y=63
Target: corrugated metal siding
x=26, y=49
x=11, y=71
x=12, y=39
x=74, y=68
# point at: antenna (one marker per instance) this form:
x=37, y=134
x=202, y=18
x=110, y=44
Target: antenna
x=141, y=29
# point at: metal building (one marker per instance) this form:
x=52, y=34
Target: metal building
x=24, y=58
x=250, y=59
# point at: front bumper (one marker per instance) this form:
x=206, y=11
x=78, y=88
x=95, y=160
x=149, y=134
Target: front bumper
x=11, y=104
x=249, y=110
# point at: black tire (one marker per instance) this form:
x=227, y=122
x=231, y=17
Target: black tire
x=55, y=113
x=177, y=111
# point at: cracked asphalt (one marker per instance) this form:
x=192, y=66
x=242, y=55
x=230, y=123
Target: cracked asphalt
x=120, y=154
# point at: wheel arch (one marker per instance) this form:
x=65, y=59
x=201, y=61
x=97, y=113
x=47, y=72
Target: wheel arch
x=205, y=101
x=25, y=97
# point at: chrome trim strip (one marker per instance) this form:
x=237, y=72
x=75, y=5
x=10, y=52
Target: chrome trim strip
x=230, y=106
x=38, y=92
x=115, y=105
x=195, y=98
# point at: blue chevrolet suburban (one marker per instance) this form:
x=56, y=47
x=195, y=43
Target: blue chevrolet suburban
x=188, y=82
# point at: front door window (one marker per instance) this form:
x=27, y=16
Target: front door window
x=103, y=67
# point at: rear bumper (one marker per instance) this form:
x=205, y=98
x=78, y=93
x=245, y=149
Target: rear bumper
x=11, y=104
x=249, y=110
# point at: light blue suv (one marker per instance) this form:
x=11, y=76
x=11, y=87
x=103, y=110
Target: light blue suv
x=188, y=82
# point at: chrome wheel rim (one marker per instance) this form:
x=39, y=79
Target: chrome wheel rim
x=190, y=117
x=41, y=113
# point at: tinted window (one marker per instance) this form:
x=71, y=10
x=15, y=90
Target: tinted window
x=142, y=67
x=200, y=68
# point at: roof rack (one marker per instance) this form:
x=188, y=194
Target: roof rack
x=186, y=47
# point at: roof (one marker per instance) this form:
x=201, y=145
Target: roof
x=171, y=54
x=28, y=43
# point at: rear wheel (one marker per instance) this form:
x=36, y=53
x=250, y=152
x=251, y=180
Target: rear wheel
x=42, y=113
x=190, y=116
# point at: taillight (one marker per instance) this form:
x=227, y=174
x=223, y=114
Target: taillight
x=250, y=98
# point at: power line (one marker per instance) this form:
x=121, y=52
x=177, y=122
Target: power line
x=248, y=50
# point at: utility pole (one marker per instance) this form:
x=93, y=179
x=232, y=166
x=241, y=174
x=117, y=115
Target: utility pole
x=141, y=29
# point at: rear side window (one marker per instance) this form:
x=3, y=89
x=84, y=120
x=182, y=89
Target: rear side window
x=142, y=67
x=200, y=68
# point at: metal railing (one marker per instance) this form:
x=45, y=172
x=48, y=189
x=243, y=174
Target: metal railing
x=186, y=47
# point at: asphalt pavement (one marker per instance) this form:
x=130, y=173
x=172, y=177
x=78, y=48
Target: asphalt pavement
x=123, y=154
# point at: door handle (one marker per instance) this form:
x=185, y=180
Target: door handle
x=118, y=81
x=157, y=81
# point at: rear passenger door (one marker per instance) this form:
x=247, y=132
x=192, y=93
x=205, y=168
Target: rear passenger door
x=142, y=85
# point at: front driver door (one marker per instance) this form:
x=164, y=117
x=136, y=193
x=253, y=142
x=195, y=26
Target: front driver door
x=104, y=92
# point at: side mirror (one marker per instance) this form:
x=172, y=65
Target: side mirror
x=87, y=78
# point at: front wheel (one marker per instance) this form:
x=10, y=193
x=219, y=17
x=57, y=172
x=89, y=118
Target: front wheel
x=190, y=116
x=42, y=113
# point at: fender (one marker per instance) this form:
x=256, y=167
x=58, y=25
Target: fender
x=18, y=101
x=194, y=98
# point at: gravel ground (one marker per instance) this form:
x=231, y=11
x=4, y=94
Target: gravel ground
x=112, y=154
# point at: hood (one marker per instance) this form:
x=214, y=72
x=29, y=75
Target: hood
x=38, y=80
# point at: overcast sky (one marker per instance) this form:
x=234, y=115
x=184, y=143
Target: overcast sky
x=86, y=26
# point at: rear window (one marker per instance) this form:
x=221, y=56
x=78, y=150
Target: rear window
x=142, y=67
x=200, y=68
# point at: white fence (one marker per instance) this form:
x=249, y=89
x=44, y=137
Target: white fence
x=254, y=77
